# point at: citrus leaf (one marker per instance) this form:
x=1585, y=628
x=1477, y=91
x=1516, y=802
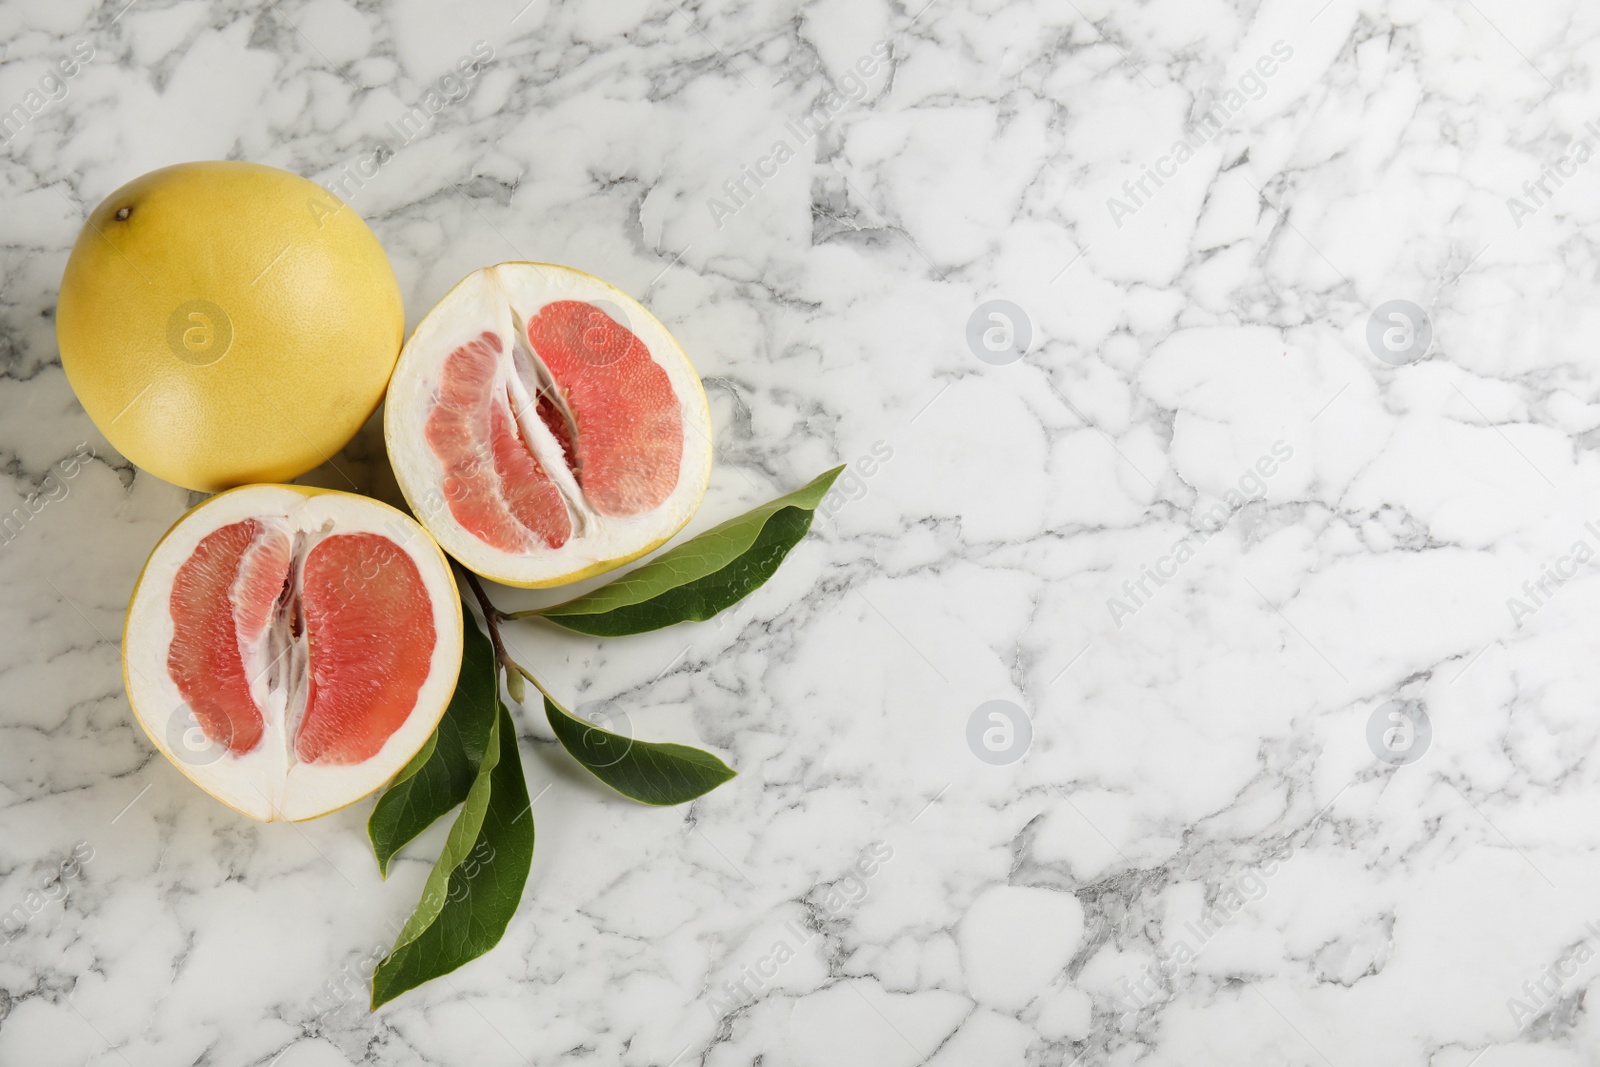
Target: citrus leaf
x=475, y=886
x=646, y=771
x=438, y=777
x=700, y=577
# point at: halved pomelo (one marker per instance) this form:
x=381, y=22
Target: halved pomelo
x=545, y=427
x=290, y=649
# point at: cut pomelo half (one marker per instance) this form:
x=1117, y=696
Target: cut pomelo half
x=545, y=427
x=290, y=649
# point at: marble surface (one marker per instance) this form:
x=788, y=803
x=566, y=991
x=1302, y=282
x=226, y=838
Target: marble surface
x=1294, y=616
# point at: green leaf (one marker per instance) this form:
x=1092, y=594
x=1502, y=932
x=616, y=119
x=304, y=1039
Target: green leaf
x=700, y=577
x=438, y=777
x=475, y=887
x=646, y=771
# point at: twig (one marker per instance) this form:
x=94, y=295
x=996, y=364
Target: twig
x=492, y=617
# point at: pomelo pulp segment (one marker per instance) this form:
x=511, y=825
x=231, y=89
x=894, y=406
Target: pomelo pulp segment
x=545, y=427
x=290, y=649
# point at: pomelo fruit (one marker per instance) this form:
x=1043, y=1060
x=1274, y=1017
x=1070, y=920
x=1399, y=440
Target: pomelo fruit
x=545, y=427
x=290, y=649
x=225, y=323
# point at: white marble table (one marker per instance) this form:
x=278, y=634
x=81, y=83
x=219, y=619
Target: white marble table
x=1217, y=537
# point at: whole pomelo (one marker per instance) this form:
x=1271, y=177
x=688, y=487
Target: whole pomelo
x=226, y=323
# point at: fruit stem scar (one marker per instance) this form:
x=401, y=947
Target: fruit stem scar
x=123, y=213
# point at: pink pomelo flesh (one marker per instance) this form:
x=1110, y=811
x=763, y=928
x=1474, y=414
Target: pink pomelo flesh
x=627, y=436
x=609, y=407
x=207, y=616
x=496, y=487
x=342, y=623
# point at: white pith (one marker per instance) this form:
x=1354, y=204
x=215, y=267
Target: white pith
x=501, y=300
x=267, y=782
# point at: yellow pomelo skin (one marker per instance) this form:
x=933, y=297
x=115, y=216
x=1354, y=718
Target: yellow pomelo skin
x=226, y=323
